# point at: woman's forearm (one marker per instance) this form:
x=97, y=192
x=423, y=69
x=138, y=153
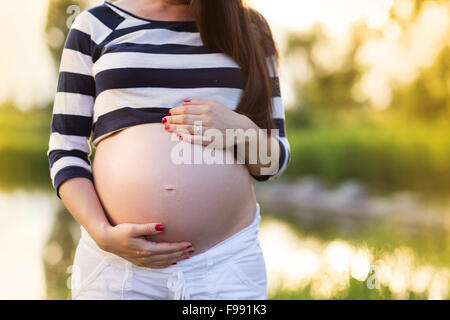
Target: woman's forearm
x=125, y=240
x=80, y=198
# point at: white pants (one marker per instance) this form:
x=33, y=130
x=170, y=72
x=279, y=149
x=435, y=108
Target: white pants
x=232, y=269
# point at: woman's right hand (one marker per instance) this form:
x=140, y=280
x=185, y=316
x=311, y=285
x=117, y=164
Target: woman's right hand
x=128, y=241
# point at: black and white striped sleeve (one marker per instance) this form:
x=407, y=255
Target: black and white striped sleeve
x=69, y=147
x=278, y=116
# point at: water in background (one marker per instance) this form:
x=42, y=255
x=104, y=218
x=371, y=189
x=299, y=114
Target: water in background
x=37, y=238
x=27, y=219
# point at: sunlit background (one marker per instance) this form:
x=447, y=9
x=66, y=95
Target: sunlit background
x=363, y=211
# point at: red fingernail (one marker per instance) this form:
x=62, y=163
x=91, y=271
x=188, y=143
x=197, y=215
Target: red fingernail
x=159, y=227
x=174, y=263
x=168, y=112
x=164, y=120
x=190, y=251
x=186, y=257
x=186, y=101
x=167, y=127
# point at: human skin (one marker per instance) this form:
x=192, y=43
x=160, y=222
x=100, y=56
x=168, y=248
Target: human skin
x=138, y=182
x=130, y=233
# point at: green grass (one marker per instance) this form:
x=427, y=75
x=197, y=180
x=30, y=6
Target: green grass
x=357, y=290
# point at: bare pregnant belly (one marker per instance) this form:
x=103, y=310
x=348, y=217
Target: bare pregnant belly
x=137, y=182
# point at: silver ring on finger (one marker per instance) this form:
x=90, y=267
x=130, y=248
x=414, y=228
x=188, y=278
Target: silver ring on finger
x=197, y=129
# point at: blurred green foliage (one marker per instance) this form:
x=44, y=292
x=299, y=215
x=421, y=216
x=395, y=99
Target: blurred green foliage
x=431, y=247
x=23, y=141
x=336, y=137
x=325, y=93
x=58, y=275
x=58, y=16
x=387, y=157
x=356, y=290
x=428, y=97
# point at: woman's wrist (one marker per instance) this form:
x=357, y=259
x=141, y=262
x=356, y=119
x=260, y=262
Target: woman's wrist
x=246, y=123
x=101, y=235
x=250, y=131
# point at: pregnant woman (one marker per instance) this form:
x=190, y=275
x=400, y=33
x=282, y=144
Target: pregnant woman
x=148, y=78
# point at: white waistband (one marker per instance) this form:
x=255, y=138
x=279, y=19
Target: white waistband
x=233, y=247
x=246, y=234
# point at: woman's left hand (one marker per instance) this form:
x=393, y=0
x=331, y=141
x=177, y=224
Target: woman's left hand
x=193, y=120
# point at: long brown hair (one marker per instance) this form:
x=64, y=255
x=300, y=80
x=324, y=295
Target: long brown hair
x=242, y=33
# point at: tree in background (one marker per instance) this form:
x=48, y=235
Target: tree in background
x=338, y=134
x=428, y=96
x=329, y=88
x=325, y=92
x=60, y=15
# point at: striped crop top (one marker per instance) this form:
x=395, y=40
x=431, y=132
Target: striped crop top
x=118, y=70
